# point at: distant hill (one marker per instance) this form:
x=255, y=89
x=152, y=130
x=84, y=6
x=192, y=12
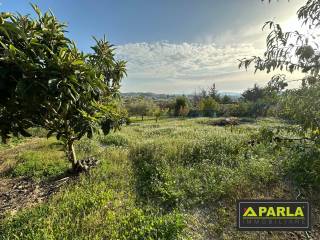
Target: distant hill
x=148, y=95
x=170, y=96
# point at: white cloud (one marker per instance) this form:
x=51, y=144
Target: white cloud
x=169, y=67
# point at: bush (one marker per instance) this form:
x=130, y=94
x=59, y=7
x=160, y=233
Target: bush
x=302, y=165
x=240, y=109
x=194, y=113
x=209, y=107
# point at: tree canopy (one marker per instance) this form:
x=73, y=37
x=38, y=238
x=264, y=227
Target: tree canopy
x=46, y=81
x=294, y=51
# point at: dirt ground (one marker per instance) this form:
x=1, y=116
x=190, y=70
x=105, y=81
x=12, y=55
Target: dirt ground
x=19, y=193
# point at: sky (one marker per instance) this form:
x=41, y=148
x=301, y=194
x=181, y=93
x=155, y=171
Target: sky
x=174, y=46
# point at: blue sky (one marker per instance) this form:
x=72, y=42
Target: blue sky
x=173, y=46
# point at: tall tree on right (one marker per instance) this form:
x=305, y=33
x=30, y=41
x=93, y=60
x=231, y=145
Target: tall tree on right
x=296, y=52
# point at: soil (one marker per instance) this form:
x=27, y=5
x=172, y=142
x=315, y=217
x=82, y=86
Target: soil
x=21, y=193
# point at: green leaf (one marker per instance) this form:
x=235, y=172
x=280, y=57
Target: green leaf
x=36, y=9
x=2, y=29
x=12, y=48
x=77, y=62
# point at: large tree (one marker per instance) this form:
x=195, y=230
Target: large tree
x=294, y=51
x=140, y=107
x=46, y=81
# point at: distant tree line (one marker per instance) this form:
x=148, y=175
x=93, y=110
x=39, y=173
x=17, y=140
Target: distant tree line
x=254, y=102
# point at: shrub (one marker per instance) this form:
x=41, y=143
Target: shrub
x=302, y=165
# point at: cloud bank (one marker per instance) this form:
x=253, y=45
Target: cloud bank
x=182, y=68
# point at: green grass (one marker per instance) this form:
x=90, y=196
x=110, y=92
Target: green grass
x=98, y=205
x=38, y=166
x=46, y=162
x=175, y=179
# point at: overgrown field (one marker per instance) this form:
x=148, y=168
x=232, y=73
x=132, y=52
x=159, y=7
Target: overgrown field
x=175, y=179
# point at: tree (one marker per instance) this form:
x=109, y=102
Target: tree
x=140, y=107
x=261, y=99
x=181, y=106
x=277, y=84
x=213, y=92
x=46, y=81
x=209, y=106
x=253, y=94
x=293, y=51
x=203, y=93
x=226, y=99
x=157, y=112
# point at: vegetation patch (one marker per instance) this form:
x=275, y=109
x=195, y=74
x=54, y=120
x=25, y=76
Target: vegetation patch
x=41, y=164
x=114, y=140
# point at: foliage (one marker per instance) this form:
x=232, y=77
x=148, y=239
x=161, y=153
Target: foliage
x=46, y=81
x=213, y=93
x=253, y=94
x=159, y=112
x=294, y=51
x=209, y=107
x=226, y=99
x=303, y=166
x=141, y=107
x=181, y=106
x=240, y=109
x=300, y=105
x=183, y=111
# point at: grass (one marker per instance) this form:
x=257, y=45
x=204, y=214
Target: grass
x=43, y=163
x=36, y=158
x=174, y=179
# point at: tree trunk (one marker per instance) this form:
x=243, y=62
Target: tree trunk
x=71, y=154
x=4, y=139
x=142, y=117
